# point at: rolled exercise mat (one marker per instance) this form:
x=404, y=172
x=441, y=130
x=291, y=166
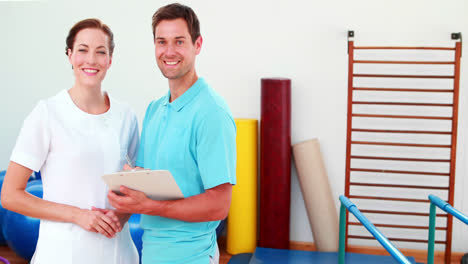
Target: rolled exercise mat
x=242, y=218
x=317, y=194
x=275, y=163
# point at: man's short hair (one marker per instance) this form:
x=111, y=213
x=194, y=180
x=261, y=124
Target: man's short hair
x=175, y=11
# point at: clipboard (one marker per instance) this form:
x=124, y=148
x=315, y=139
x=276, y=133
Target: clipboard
x=156, y=184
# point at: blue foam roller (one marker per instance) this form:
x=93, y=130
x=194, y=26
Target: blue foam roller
x=284, y=256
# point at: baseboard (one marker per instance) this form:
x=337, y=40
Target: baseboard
x=419, y=254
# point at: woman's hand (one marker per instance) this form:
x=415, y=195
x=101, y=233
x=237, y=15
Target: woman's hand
x=120, y=218
x=98, y=222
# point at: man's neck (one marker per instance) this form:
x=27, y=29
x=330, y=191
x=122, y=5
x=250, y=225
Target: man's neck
x=181, y=85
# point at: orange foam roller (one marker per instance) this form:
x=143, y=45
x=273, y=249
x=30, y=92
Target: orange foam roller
x=242, y=218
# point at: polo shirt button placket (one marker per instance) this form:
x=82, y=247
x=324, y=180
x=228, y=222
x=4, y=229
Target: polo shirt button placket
x=165, y=116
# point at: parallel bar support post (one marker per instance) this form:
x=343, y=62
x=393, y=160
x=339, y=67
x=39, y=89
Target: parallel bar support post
x=342, y=239
x=394, y=252
x=431, y=242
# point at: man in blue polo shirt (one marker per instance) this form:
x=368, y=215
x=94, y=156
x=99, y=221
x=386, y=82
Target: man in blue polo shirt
x=191, y=133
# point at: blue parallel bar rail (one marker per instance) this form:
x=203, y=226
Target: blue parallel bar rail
x=448, y=208
x=346, y=204
x=436, y=201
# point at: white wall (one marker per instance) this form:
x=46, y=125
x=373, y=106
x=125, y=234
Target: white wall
x=243, y=42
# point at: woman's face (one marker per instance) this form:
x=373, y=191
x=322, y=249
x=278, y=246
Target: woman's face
x=90, y=57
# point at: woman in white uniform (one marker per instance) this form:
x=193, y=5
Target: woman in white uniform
x=74, y=138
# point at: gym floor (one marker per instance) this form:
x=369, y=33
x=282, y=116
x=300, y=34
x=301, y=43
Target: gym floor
x=9, y=254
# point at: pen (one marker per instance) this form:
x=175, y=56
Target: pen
x=129, y=162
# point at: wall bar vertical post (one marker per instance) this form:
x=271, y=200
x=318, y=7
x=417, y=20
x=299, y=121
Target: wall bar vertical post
x=453, y=153
x=349, y=126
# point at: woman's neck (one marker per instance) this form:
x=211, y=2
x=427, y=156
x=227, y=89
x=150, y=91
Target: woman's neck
x=90, y=100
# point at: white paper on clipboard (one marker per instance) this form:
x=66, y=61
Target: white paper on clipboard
x=156, y=184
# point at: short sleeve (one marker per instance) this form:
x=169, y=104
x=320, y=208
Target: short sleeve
x=32, y=145
x=134, y=139
x=216, y=149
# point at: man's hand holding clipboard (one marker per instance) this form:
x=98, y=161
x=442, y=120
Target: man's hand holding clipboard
x=133, y=185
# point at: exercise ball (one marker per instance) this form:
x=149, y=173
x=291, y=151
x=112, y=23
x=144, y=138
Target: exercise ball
x=21, y=232
x=2, y=210
x=37, y=175
x=34, y=176
x=136, y=232
x=33, y=183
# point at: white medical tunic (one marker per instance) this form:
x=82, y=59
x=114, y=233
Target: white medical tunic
x=73, y=149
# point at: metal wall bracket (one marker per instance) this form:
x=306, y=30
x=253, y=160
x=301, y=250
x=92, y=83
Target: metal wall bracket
x=458, y=36
x=350, y=35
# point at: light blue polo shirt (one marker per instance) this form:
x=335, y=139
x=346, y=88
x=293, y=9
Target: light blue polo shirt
x=194, y=137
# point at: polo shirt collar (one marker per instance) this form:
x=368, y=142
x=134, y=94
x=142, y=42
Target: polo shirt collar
x=186, y=97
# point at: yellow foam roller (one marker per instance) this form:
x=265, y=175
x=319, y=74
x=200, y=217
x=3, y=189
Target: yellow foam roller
x=242, y=218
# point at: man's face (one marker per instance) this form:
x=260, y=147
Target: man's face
x=175, y=51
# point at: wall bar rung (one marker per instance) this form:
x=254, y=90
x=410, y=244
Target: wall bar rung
x=389, y=198
x=400, y=144
x=399, y=159
x=404, y=76
x=404, y=62
x=404, y=116
x=400, y=226
x=404, y=48
x=400, y=131
x=397, y=103
x=399, y=239
x=399, y=213
x=403, y=90
x=401, y=172
x=398, y=186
